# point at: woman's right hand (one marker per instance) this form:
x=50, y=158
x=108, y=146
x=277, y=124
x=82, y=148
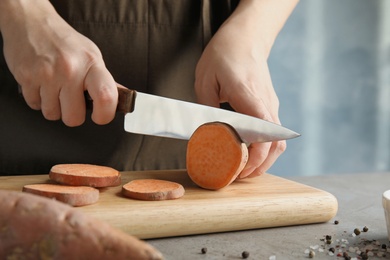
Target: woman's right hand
x=54, y=64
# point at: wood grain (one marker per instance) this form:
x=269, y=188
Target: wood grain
x=266, y=201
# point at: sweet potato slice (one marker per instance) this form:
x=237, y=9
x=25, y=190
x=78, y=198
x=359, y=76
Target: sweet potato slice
x=72, y=195
x=215, y=155
x=34, y=227
x=152, y=189
x=85, y=175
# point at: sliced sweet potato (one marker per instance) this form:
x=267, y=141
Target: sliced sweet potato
x=85, y=175
x=152, y=189
x=72, y=195
x=215, y=155
x=34, y=227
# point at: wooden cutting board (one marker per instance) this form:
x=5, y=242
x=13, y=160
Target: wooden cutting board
x=266, y=201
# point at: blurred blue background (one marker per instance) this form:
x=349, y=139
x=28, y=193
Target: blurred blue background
x=330, y=66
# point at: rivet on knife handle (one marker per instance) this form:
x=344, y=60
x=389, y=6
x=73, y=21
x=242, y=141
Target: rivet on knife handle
x=126, y=100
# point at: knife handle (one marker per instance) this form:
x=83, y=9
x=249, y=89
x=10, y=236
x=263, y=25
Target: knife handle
x=126, y=100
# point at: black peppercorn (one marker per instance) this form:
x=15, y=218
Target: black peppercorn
x=245, y=254
x=365, y=229
x=356, y=231
x=332, y=249
x=204, y=250
x=346, y=256
x=328, y=239
x=336, y=222
x=364, y=256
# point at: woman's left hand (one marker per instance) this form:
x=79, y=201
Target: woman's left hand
x=233, y=68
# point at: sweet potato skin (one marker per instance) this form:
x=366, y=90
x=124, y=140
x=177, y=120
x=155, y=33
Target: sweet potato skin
x=34, y=227
x=85, y=175
x=76, y=196
x=153, y=189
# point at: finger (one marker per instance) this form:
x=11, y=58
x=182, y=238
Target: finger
x=103, y=90
x=50, y=103
x=252, y=106
x=259, y=95
x=258, y=153
x=277, y=148
x=32, y=96
x=72, y=105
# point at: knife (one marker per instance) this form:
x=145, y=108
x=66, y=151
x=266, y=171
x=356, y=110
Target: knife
x=159, y=116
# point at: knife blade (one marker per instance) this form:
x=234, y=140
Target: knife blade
x=165, y=117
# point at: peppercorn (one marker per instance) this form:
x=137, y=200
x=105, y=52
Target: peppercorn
x=328, y=239
x=364, y=255
x=332, y=250
x=312, y=254
x=365, y=229
x=346, y=256
x=204, y=250
x=245, y=254
x=356, y=231
x=384, y=246
x=336, y=222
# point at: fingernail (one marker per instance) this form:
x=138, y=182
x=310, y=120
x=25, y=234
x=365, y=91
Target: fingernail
x=255, y=174
x=246, y=172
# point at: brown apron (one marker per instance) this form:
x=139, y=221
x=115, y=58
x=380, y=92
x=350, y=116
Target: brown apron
x=151, y=46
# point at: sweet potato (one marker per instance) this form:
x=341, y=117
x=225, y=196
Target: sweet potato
x=72, y=195
x=34, y=227
x=85, y=175
x=152, y=189
x=215, y=155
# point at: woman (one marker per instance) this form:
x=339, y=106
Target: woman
x=207, y=51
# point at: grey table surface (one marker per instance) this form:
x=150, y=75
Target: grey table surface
x=360, y=204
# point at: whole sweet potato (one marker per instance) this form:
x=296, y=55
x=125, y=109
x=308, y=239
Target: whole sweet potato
x=34, y=227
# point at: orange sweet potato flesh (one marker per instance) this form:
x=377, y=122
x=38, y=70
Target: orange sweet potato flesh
x=73, y=195
x=34, y=227
x=152, y=189
x=215, y=155
x=85, y=175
